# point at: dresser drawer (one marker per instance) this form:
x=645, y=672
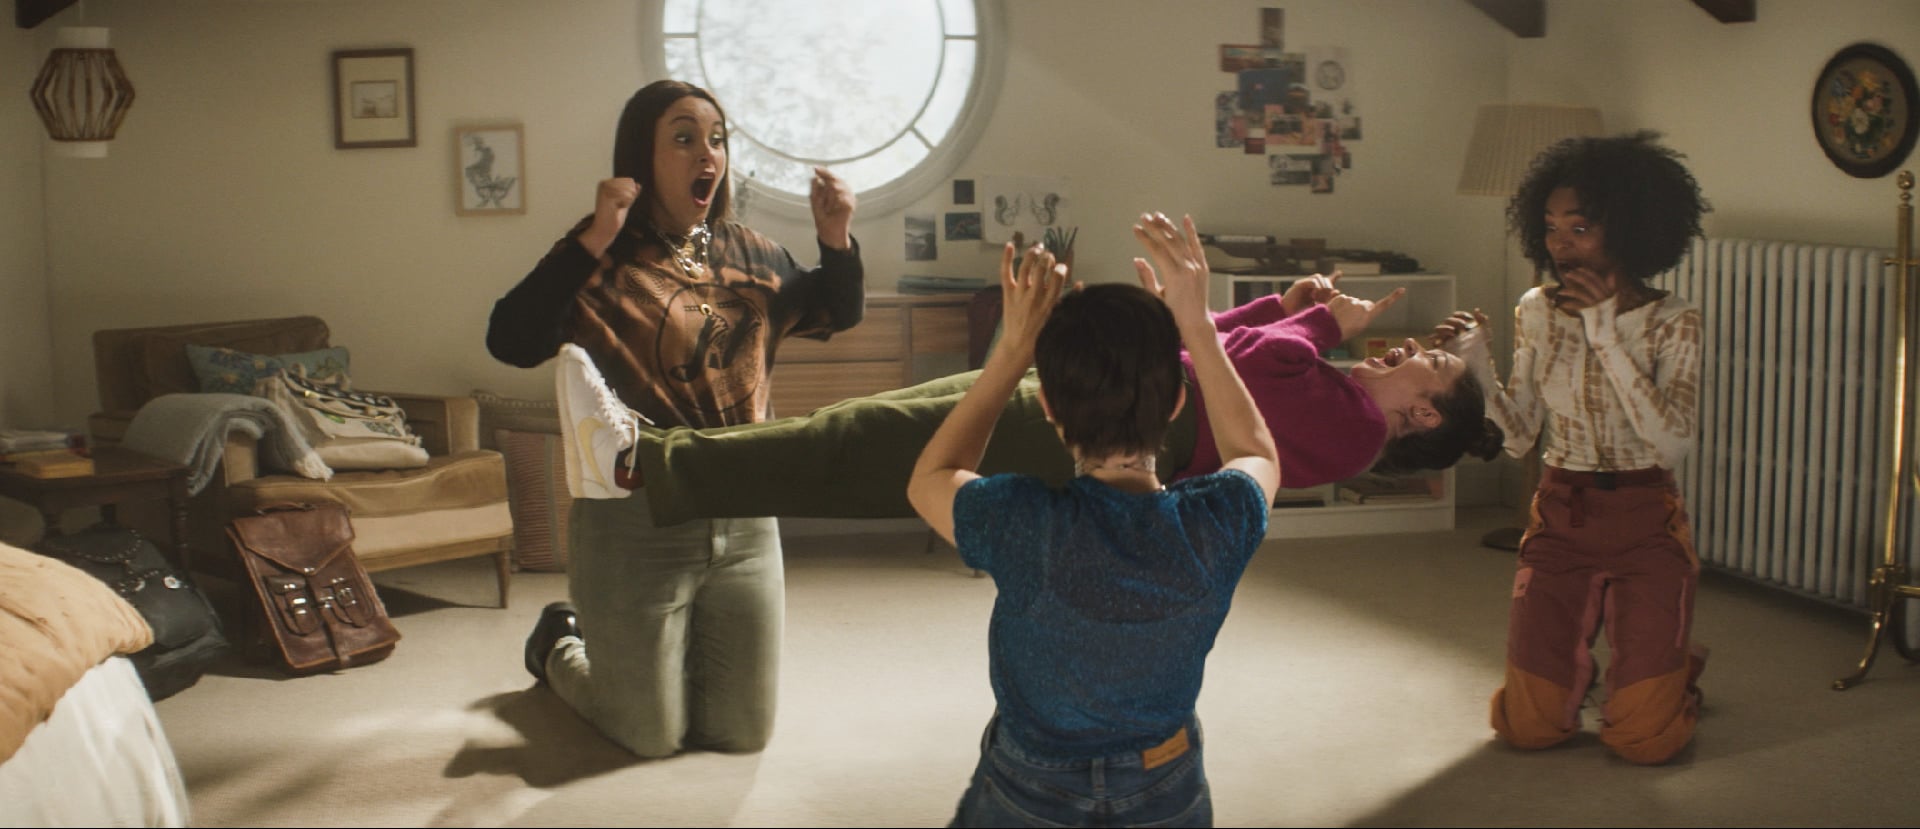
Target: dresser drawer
x=879, y=336
x=879, y=354
x=939, y=330
x=799, y=388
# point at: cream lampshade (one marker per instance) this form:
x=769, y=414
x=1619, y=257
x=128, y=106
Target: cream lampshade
x=82, y=94
x=1507, y=137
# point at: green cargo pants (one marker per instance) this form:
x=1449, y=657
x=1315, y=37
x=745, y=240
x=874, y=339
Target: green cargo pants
x=850, y=459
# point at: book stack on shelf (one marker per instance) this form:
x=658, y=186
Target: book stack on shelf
x=1313, y=496
x=1352, y=267
x=1386, y=489
x=45, y=453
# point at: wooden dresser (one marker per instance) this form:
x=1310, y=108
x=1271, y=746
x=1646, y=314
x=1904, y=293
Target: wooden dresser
x=904, y=339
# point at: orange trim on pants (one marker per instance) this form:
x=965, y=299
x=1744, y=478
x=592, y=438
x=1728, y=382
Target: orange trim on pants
x=1621, y=559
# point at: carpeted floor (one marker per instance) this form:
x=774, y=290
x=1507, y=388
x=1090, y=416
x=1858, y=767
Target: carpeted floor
x=1349, y=687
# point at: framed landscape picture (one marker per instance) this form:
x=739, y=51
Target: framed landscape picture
x=373, y=99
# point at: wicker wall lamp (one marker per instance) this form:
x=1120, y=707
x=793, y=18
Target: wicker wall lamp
x=82, y=94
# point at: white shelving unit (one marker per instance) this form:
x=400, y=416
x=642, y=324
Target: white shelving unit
x=1430, y=297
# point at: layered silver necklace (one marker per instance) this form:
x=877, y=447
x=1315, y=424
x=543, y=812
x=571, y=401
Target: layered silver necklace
x=690, y=253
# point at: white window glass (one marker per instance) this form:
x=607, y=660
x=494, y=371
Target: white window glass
x=872, y=171
x=951, y=93
x=959, y=18
x=872, y=89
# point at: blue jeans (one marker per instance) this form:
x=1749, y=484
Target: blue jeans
x=1013, y=787
x=683, y=625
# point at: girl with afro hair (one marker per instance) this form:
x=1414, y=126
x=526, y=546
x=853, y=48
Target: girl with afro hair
x=1608, y=365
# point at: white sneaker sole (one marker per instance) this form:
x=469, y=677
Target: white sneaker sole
x=595, y=425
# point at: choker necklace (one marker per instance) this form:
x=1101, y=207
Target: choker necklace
x=690, y=253
x=1144, y=463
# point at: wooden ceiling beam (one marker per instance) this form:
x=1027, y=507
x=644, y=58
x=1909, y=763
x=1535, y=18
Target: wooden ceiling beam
x=1524, y=18
x=30, y=13
x=1729, y=11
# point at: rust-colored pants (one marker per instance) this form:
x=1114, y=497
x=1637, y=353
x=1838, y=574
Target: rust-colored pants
x=1620, y=556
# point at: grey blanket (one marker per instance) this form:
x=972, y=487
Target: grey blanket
x=192, y=429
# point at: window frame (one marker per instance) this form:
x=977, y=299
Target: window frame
x=918, y=181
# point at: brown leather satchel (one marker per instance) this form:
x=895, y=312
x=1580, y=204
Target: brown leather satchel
x=316, y=597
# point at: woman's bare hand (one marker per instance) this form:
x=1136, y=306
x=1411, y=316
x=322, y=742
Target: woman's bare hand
x=1582, y=288
x=1354, y=314
x=1456, y=324
x=1028, y=296
x=833, y=201
x=1308, y=291
x=1182, y=275
x=613, y=198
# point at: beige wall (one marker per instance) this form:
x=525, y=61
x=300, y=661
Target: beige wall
x=25, y=342
x=1734, y=97
x=26, y=345
x=224, y=197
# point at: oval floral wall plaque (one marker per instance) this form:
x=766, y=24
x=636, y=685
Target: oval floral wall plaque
x=1863, y=110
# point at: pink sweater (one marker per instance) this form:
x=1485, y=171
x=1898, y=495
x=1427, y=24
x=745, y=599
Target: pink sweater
x=1325, y=426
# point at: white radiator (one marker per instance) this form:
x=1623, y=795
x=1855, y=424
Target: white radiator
x=1786, y=484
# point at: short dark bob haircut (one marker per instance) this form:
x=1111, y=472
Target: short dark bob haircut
x=1108, y=359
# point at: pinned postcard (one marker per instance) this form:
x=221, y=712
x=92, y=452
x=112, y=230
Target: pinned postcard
x=1025, y=205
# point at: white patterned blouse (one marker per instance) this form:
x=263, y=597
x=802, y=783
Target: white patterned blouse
x=1617, y=390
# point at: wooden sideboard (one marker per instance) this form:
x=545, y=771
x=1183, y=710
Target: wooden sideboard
x=904, y=339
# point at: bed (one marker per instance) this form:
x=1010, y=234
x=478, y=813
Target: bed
x=80, y=743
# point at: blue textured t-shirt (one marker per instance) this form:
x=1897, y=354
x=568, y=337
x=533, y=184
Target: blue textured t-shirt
x=1108, y=601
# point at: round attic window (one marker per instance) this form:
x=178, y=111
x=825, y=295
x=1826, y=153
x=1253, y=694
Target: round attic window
x=888, y=94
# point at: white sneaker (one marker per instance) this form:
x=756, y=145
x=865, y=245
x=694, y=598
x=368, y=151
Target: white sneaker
x=594, y=424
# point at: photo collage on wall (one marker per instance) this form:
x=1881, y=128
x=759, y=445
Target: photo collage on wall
x=1295, y=108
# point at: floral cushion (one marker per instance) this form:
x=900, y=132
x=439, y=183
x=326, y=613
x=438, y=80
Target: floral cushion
x=236, y=372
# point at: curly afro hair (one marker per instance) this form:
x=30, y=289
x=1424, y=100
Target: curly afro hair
x=1637, y=189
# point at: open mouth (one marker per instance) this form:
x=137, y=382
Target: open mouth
x=1390, y=358
x=703, y=188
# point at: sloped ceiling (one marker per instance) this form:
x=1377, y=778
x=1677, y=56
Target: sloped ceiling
x=1525, y=18
x=1528, y=18
x=30, y=13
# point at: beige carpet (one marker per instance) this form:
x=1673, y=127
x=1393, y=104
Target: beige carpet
x=1349, y=687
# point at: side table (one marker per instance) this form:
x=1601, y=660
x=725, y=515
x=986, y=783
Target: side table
x=119, y=475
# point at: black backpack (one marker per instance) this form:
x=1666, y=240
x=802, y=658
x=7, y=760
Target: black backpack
x=187, y=636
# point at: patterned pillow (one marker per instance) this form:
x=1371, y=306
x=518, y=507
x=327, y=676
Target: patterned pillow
x=236, y=372
x=537, y=498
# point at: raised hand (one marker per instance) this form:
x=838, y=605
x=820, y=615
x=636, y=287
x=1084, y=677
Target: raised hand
x=613, y=198
x=1582, y=288
x=1308, y=291
x=1455, y=325
x=1028, y=296
x=1181, y=277
x=1355, y=314
x=832, y=199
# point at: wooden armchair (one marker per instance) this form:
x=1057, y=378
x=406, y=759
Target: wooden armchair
x=454, y=507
